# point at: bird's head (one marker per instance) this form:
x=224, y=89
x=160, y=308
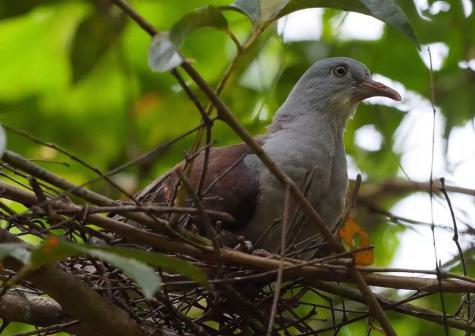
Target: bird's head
x=332, y=87
x=344, y=80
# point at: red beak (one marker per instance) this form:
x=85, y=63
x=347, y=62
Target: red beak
x=370, y=88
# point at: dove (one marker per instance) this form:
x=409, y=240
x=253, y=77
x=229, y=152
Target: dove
x=305, y=139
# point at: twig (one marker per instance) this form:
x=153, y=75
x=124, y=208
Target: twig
x=154, y=223
x=120, y=209
x=431, y=183
x=210, y=232
x=53, y=328
x=398, y=185
x=136, y=16
x=71, y=156
x=232, y=257
x=310, y=274
x=280, y=270
x=457, y=243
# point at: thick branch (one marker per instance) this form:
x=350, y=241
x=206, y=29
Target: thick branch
x=31, y=309
x=38, y=311
x=320, y=271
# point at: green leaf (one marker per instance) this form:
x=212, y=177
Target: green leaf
x=54, y=249
x=208, y=16
x=389, y=12
x=167, y=263
x=260, y=11
x=163, y=52
x=94, y=36
x=13, y=8
x=131, y=261
x=264, y=12
x=141, y=273
x=15, y=250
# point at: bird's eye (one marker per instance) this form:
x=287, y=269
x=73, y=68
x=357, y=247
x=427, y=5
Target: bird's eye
x=340, y=70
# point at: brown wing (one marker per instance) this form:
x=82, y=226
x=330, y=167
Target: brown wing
x=229, y=185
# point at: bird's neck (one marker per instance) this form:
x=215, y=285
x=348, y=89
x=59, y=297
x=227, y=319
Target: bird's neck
x=302, y=114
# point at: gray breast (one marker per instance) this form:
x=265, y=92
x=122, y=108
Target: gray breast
x=297, y=156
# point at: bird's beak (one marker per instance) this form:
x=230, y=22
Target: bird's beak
x=370, y=88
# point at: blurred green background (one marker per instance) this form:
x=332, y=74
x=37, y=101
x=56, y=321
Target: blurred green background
x=75, y=73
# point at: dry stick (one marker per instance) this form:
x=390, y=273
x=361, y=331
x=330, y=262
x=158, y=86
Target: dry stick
x=179, y=194
x=399, y=220
x=456, y=241
x=46, y=330
x=445, y=275
x=120, y=209
x=157, y=150
x=454, y=222
x=307, y=271
x=210, y=232
x=397, y=185
x=405, y=308
x=309, y=275
x=157, y=224
x=53, y=218
x=431, y=183
x=280, y=271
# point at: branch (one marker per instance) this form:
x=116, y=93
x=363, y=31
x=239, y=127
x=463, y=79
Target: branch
x=156, y=224
x=311, y=269
x=311, y=274
x=396, y=185
x=405, y=308
x=30, y=309
x=39, y=311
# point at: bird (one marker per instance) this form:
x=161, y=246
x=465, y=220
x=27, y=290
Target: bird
x=305, y=139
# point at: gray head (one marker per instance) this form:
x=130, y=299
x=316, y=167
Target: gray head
x=332, y=86
x=345, y=77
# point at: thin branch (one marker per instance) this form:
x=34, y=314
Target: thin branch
x=71, y=156
x=280, y=269
x=397, y=185
x=291, y=269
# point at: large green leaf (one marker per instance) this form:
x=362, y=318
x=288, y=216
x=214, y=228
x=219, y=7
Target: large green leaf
x=94, y=36
x=141, y=273
x=14, y=8
x=265, y=11
x=55, y=249
x=15, y=250
x=167, y=263
x=260, y=11
x=132, y=261
x=164, y=55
